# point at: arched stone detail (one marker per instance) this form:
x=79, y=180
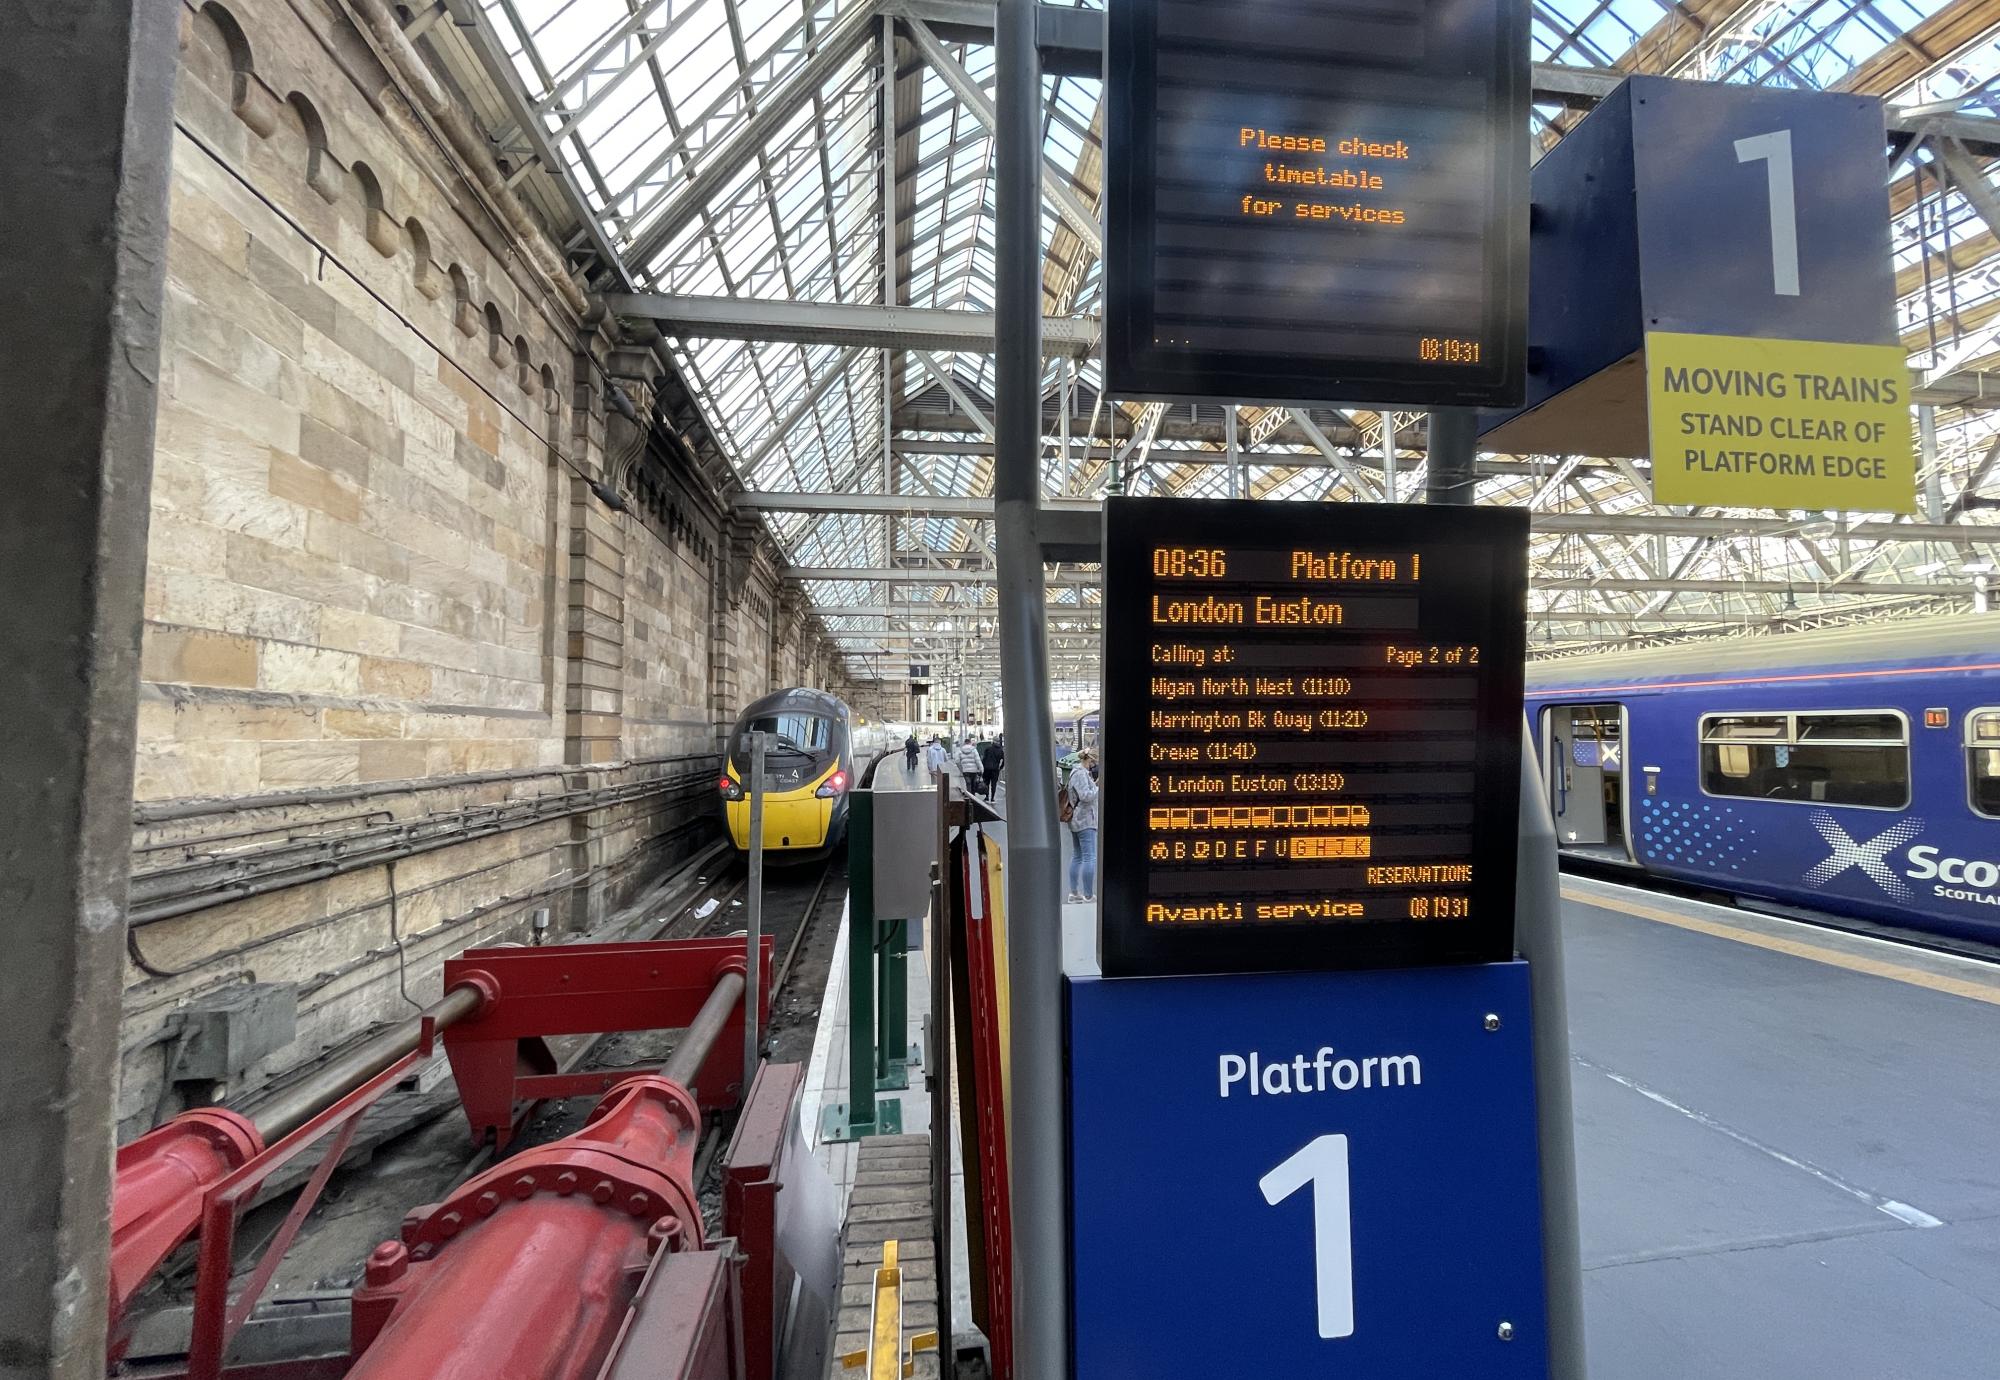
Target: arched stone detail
x=524, y=369
x=381, y=228
x=429, y=281
x=499, y=349
x=323, y=171
x=463, y=314
x=551, y=395
x=250, y=100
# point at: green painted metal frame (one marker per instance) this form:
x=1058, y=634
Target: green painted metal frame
x=877, y=967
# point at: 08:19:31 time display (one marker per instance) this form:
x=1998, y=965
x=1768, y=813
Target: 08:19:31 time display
x=1437, y=349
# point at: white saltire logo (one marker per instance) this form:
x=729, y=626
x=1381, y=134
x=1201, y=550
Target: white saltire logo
x=1870, y=857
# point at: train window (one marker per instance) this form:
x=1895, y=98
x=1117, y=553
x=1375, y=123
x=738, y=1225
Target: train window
x=1982, y=732
x=1858, y=759
x=1729, y=745
x=807, y=732
x=1737, y=728
x=1821, y=728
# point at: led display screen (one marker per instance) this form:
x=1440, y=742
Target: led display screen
x=1317, y=200
x=1312, y=734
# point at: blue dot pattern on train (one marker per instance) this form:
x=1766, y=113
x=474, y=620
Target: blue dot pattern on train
x=1693, y=832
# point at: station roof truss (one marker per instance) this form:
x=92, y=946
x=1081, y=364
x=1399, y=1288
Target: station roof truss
x=799, y=195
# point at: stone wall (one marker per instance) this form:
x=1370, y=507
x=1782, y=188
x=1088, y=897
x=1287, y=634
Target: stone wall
x=407, y=679
x=352, y=532
x=672, y=550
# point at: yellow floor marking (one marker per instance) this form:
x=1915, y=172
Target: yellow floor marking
x=1875, y=967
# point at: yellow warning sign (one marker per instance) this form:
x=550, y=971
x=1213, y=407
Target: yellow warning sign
x=1749, y=423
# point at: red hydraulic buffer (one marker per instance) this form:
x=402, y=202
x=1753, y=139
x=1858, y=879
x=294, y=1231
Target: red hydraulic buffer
x=528, y=1271
x=161, y=1179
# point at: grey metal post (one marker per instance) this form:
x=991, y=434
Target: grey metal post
x=1067, y=371
x=891, y=289
x=1538, y=939
x=86, y=103
x=1039, y=1133
x=756, y=907
x=1389, y=456
x=1448, y=477
x=1927, y=457
x=1233, y=450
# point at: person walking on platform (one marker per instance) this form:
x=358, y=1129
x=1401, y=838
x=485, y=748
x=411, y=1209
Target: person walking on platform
x=991, y=757
x=969, y=766
x=910, y=757
x=934, y=758
x=1080, y=798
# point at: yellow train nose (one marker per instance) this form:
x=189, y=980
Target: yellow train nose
x=795, y=819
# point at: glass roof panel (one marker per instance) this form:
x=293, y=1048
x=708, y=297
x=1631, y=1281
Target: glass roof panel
x=645, y=95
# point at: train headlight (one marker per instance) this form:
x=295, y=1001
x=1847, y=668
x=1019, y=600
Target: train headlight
x=731, y=789
x=832, y=786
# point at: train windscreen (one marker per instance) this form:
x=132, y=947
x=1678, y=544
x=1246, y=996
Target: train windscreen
x=788, y=733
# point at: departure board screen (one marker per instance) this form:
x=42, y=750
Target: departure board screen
x=1317, y=200
x=1312, y=729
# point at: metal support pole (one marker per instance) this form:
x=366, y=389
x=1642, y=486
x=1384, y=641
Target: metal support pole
x=1538, y=939
x=1067, y=368
x=891, y=289
x=1453, y=440
x=88, y=100
x=1039, y=1134
x=751, y=1034
x=1233, y=451
x=1927, y=463
x=1388, y=457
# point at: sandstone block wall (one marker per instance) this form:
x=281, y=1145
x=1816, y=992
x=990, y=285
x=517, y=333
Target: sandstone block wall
x=405, y=679
x=353, y=531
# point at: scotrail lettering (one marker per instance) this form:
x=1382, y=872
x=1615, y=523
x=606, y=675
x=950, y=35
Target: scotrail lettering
x=1964, y=879
x=1974, y=880
x=1258, y=1076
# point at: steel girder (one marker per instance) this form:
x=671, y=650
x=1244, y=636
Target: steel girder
x=840, y=323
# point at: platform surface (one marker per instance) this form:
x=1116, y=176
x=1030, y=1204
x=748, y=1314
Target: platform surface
x=827, y=1077
x=1788, y=1145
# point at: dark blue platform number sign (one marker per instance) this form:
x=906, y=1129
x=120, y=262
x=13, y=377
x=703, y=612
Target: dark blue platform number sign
x=1301, y=1174
x=1312, y=734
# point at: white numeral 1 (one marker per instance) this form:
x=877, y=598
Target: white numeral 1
x=1775, y=149
x=1323, y=1164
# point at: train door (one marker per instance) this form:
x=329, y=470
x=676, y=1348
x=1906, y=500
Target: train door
x=1583, y=750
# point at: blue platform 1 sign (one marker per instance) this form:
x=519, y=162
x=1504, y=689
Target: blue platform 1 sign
x=1306, y=1174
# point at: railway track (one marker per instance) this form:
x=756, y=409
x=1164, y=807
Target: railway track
x=802, y=906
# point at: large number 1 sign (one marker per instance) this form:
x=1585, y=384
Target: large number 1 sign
x=1774, y=150
x=1323, y=1164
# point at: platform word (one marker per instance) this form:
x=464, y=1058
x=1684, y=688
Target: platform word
x=1315, y=1073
